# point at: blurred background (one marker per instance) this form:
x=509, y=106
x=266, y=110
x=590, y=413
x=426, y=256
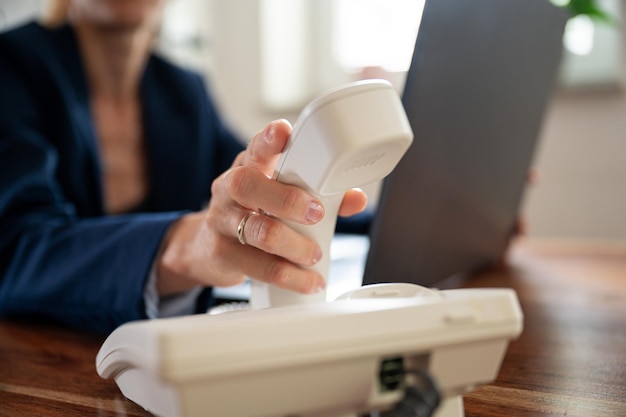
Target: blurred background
x=265, y=59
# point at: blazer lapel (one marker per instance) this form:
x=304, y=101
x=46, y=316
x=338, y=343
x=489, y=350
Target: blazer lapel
x=83, y=161
x=171, y=140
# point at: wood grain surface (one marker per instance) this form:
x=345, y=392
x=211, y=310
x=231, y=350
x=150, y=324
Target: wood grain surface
x=569, y=361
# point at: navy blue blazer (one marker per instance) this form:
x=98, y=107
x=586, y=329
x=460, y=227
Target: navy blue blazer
x=61, y=257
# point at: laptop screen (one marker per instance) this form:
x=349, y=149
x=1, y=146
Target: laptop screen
x=476, y=92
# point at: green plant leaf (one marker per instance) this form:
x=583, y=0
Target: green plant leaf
x=589, y=8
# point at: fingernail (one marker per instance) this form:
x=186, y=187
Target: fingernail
x=315, y=212
x=317, y=256
x=321, y=286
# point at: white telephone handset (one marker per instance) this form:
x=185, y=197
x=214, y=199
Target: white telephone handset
x=349, y=137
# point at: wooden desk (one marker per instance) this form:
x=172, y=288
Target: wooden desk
x=571, y=357
x=569, y=361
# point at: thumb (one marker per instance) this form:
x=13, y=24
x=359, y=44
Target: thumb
x=265, y=147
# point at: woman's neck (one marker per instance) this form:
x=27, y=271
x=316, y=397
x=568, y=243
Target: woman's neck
x=114, y=59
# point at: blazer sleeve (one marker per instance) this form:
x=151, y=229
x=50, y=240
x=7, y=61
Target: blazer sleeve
x=84, y=272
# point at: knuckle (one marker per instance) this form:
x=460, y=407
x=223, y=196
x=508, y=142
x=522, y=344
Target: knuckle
x=267, y=232
x=215, y=185
x=277, y=274
x=290, y=200
x=218, y=184
x=237, y=182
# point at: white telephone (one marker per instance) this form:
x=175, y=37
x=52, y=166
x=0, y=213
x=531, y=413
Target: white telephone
x=308, y=358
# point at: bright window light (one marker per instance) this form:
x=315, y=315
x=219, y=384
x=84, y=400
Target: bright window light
x=285, y=56
x=376, y=33
x=593, y=50
x=579, y=35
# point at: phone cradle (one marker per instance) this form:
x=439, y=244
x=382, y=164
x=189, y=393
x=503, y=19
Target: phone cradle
x=314, y=360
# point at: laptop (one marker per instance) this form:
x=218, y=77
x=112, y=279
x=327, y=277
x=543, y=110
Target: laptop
x=476, y=93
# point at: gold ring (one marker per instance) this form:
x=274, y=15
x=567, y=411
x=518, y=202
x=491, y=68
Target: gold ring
x=242, y=226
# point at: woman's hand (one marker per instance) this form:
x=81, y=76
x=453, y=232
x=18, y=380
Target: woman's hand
x=203, y=249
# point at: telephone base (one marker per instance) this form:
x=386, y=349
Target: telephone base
x=314, y=360
x=451, y=407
